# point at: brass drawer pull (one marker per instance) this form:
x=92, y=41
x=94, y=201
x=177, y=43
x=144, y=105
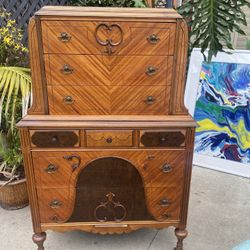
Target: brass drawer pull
x=54, y=218
x=70, y=158
x=150, y=100
x=66, y=69
x=51, y=169
x=166, y=216
x=55, y=204
x=68, y=100
x=54, y=139
x=150, y=157
x=153, y=39
x=166, y=168
x=151, y=71
x=64, y=37
x=109, y=140
x=163, y=139
x=164, y=202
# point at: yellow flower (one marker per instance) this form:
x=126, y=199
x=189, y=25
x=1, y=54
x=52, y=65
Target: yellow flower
x=7, y=40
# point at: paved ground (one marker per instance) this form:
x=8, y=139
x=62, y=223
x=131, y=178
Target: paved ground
x=219, y=218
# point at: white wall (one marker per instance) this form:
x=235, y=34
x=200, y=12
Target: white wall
x=239, y=41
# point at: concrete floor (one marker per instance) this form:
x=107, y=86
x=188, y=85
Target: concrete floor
x=219, y=219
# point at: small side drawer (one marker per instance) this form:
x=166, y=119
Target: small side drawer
x=99, y=138
x=165, y=203
x=174, y=138
x=55, y=169
x=55, y=204
x=50, y=139
x=163, y=168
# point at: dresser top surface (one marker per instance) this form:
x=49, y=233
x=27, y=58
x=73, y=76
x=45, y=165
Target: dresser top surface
x=108, y=12
x=72, y=121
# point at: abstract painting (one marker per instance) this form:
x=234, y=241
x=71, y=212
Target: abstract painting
x=223, y=111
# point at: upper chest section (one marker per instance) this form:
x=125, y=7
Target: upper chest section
x=107, y=61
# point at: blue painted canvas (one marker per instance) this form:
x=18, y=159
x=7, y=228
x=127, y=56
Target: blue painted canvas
x=243, y=246
x=223, y=111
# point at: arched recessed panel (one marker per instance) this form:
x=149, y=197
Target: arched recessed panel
x=109, y=189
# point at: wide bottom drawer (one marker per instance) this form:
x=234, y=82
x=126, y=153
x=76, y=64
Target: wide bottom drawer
x=128, y=203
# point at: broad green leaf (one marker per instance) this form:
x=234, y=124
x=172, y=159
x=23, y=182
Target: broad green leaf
x=221, y=19
x=15, y=82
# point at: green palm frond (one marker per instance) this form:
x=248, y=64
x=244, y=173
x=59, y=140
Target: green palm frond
x=212, y=23
x=14, y=82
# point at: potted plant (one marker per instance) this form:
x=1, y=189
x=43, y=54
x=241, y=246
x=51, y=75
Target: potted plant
x=15, y=85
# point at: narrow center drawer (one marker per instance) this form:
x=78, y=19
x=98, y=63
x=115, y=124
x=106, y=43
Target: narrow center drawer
x=100, y=138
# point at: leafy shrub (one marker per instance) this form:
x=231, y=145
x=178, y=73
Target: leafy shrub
x=12, y=51
x=110, y=3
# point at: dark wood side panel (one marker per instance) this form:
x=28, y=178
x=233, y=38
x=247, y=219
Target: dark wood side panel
x=187, y=177
x=39, y=104
x=30, y=179
x=179, y=72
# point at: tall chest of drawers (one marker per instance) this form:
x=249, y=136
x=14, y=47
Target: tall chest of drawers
x=108, y=142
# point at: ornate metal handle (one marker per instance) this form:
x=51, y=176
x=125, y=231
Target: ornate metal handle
x=51, y=169
x=166, y=168
x=150, y=100
x=68, y=99
x=153, y=39
x=55, y=204
x=108, y=42
x=110, y=206
x=164, y=202
x=151, y=71
x=64, y=37
x=109, y=140
x=70, y=158
x=66, y=69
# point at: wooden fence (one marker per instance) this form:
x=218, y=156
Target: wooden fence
x=22, y=10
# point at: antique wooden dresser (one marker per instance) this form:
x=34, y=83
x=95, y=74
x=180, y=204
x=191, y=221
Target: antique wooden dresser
x=108, y=142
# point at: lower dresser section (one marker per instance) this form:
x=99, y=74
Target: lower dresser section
x=109, y=185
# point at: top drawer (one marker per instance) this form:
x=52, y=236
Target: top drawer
x=110, y=38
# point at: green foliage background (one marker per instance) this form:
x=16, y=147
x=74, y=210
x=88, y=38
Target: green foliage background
x=110, y=3
x=212, y=23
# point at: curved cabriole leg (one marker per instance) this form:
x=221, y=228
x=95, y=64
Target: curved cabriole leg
x=39, y=238
x=181, y=234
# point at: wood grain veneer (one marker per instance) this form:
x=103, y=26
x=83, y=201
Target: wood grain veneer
x=104, y=138
x=108, y=142
x=108, y=71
